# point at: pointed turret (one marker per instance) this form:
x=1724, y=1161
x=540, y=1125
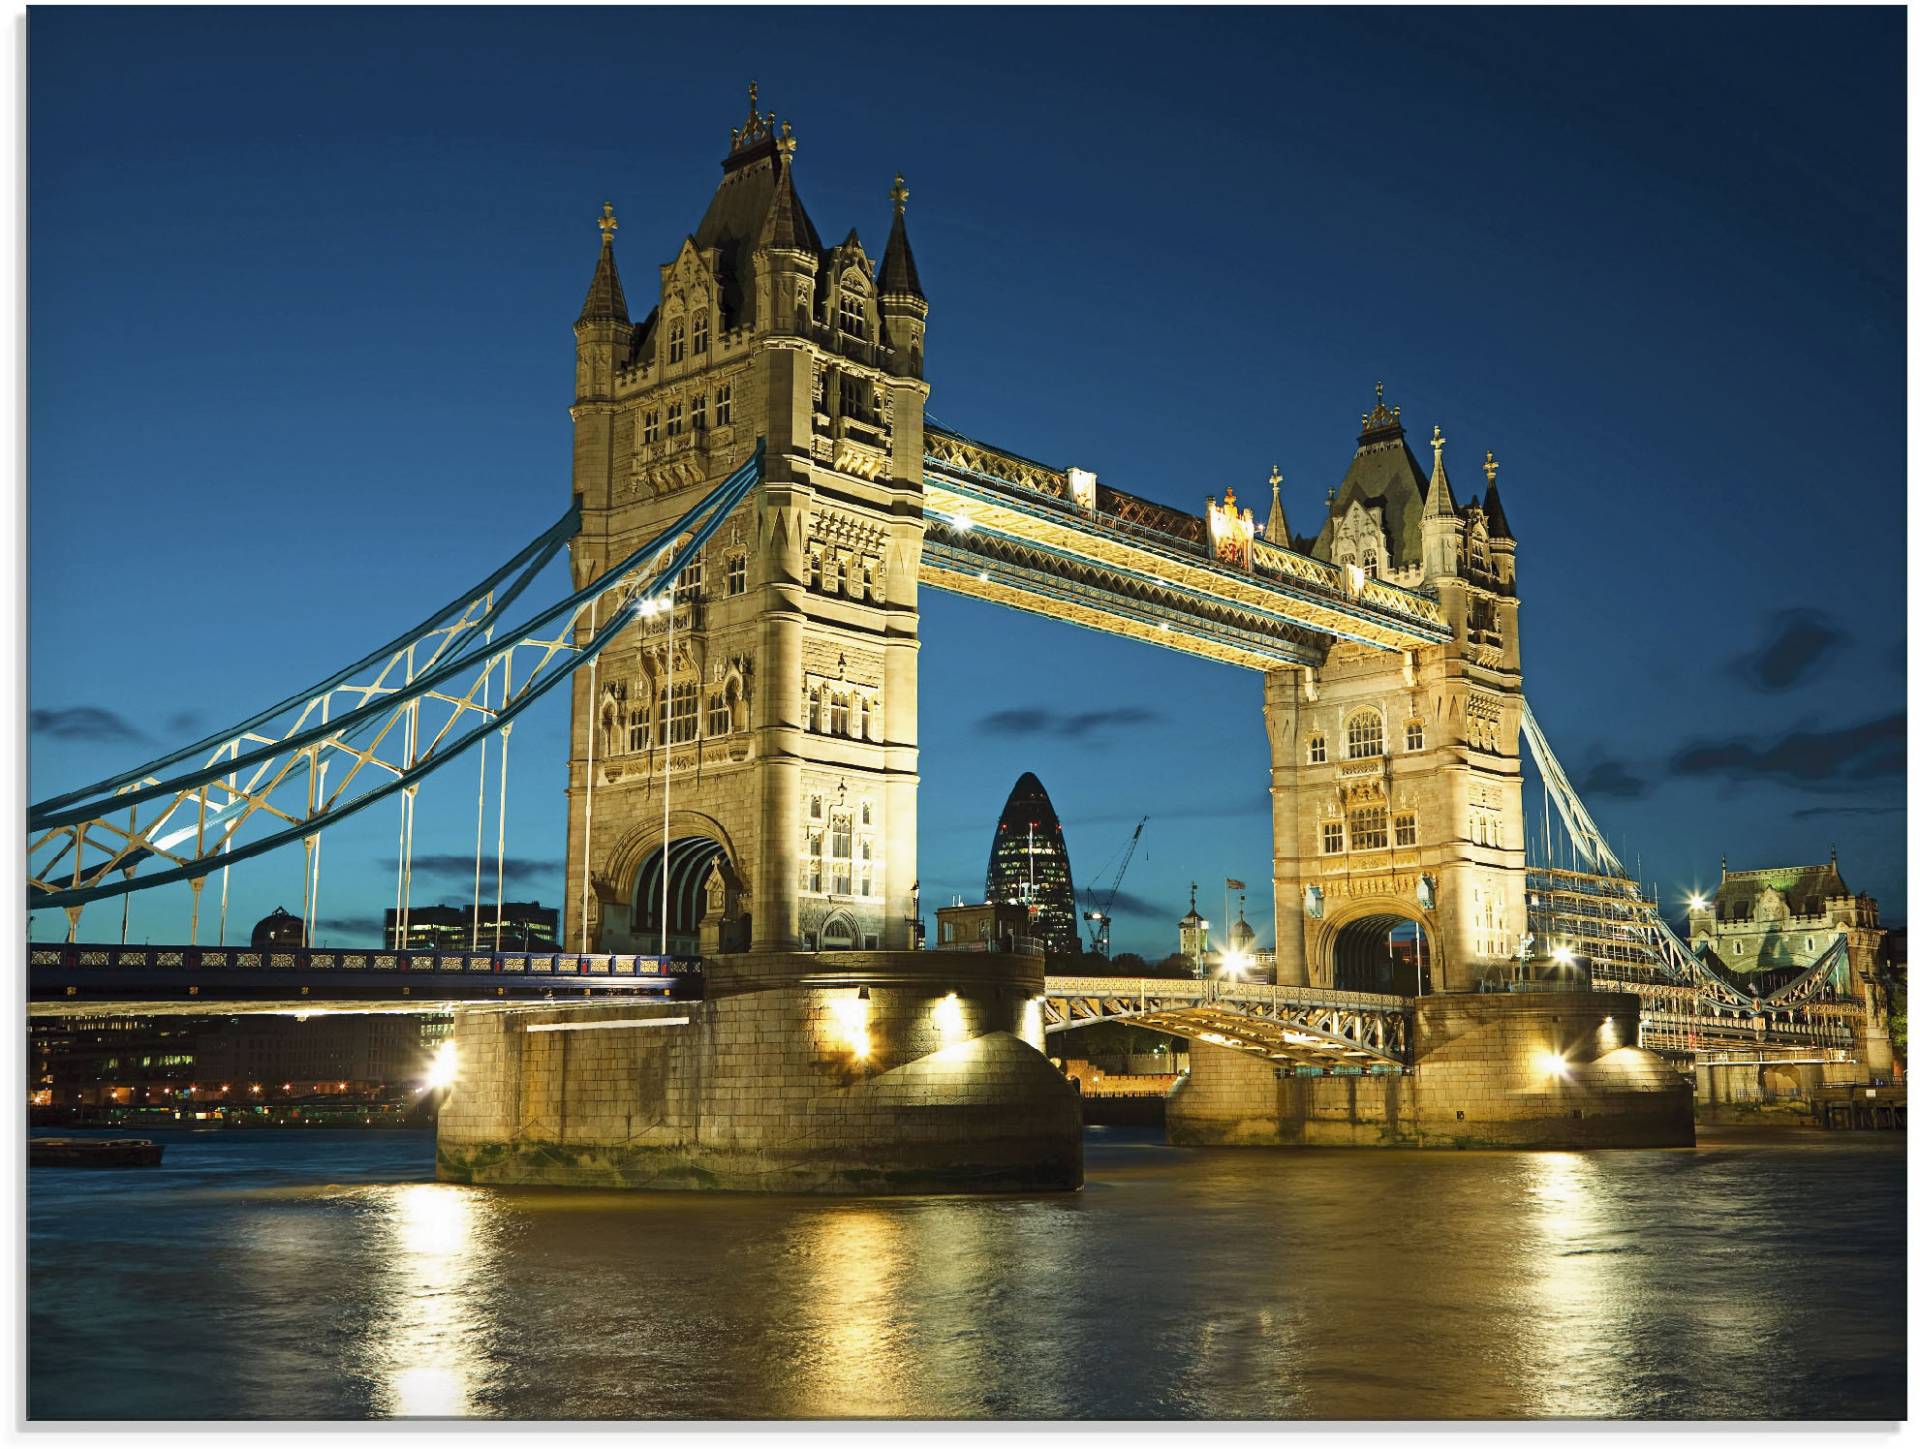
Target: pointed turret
x=899, y=277
x=1276, y=518
x=1496, y=515
x=606, y=301
x=787, y=226
x=903, y=306
x=1440, y=502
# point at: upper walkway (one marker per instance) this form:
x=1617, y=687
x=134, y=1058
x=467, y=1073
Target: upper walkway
x=1003, y=528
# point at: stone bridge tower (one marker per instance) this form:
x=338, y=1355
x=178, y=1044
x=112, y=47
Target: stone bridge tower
x=782, y=691
x=1396, y=777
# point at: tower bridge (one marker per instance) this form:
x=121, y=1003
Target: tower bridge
x=757, y=497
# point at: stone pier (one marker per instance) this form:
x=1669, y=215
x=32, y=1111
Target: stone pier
x=1542, y=1070
x=837, y=1072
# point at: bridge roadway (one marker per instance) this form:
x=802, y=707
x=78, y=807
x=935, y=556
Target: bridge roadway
x=1295, y=1025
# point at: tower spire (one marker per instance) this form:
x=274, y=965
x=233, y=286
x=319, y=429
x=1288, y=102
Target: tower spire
x=1496, y=515
x=606, y=301
x=899, y=277
x=1276, y=518
x=1439, y=496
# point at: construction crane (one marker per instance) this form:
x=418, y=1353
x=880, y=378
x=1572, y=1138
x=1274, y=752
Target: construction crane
x=1101, y=914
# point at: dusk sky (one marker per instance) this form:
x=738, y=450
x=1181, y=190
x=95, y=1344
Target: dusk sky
x=300, y=356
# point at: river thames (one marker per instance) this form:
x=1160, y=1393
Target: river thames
x=325, y=1275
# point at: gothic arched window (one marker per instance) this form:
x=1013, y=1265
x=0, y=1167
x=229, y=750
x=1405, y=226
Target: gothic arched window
x=1416, y=735
x=853, y=315
x=1365, y=739
x=677, y=342
x=1317, y=750
x=700, y=333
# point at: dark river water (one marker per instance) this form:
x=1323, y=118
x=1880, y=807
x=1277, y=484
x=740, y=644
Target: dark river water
x=325, y=1275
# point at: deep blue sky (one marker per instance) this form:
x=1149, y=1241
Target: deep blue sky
x=301, y=288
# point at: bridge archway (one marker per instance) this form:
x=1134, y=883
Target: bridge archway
x=687, y=864
x=1379, y=946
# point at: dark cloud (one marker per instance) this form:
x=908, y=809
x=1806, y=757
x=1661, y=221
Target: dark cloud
x=1126, y=903
x=1611, y=778
x=82, y=722
x=1858, y=754
x=186, y=722
x=1814, y=812
x=1064, y=726
x=1798, y=643
x=351, y=930
x=518, y=870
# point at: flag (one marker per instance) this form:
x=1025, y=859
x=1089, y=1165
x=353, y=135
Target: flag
x=1235, y=885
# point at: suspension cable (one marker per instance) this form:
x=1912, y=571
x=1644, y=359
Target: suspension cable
x=480, y=816
x=592, y=713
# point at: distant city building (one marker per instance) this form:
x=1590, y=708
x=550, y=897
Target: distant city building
x=1028, y=867
x=282, y=928
x=991, y=926
x=523, y=926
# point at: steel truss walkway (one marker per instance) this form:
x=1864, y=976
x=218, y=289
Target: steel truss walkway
x=1014, y=532
x=1298, y=1026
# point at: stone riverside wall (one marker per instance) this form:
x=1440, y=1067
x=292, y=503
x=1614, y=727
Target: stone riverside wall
x=766, y=1087
x=1480, y=1079
x=1773, y=1093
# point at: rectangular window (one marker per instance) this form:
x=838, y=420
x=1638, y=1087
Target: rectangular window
x=677, y=342
x=1416, y=735
x=853, y=316
x=686, y=588
x=676, y=418
x=1364, y=738
x=841, y=847
x=1403, y=831
x=680, y=710
x=1317, y=750
x=700, y=334
x=1332, y=838
x=700, y=413
x=737, y=574
x=723, y=406
x=813, y=807
x=719, y=716
x=650, y=427
x=1369, y=828
x=837, y=715
x=639, y=727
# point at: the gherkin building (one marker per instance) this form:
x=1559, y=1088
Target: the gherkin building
x=1028, y=866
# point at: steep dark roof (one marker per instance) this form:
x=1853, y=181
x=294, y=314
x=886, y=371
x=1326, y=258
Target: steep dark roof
x=1496, y=515
x=606, y=301
x=1807, y=889
x=1384, y=474
x=752, y=181
x=899, y=277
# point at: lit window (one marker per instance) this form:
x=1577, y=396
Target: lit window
x=737, y=574
x=1364, y=737
x=1369, y=828
x=723, y=406
x=1403, y=830
x=1416, y=735
x=1332, y=838
x=1317, y=750
x=677, y=342
x=700, y=333
x=841, y=848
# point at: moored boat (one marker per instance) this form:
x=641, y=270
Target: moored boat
x=92, y=1152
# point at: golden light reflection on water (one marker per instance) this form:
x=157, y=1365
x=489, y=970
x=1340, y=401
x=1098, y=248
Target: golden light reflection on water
x=855, y=1262
x=428, y=1347
x=1582, y=1288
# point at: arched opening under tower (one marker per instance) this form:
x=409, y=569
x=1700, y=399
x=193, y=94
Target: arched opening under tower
x=689, y=861
x=1383, y=953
